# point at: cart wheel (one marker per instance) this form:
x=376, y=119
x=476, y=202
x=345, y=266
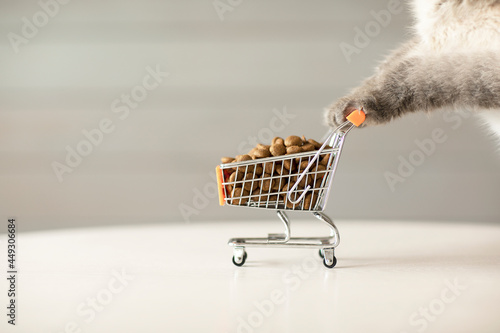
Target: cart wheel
x=241, y=261
x=329, y=259
x=321, y=253
x=334, y=262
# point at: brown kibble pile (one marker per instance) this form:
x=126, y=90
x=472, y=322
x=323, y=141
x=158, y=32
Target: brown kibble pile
x=269, y=181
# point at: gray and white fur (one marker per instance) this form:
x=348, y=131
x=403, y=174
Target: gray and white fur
x=453, y=61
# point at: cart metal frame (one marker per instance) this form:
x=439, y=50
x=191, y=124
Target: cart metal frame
x=310, y=182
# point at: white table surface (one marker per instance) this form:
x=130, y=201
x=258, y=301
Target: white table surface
x=181, y=279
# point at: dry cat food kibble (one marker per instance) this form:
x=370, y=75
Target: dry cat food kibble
x=271, y=180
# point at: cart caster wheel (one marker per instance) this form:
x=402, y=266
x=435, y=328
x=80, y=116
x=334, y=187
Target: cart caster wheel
x=329, y=259
x=240, y=261
x=332, y=264
x=321, y=253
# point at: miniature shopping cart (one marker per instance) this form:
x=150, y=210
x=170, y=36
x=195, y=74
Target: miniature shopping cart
x=296, y=182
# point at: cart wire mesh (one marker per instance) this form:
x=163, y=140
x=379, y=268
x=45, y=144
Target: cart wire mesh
x=298, y=182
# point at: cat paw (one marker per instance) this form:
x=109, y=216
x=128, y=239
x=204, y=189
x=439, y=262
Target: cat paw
x=337, y=113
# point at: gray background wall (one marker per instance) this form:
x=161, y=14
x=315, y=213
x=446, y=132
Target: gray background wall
x=225, y=79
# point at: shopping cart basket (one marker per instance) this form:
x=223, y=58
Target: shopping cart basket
x=296, y=182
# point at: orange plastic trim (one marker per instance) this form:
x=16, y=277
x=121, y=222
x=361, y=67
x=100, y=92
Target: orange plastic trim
x=356, y=117
x=218, y=171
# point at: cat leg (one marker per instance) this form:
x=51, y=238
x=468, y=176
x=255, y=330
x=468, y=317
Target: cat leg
x=410, y=82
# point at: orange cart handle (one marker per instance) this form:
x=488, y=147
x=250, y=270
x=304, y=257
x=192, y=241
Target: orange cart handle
x=357, y=117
